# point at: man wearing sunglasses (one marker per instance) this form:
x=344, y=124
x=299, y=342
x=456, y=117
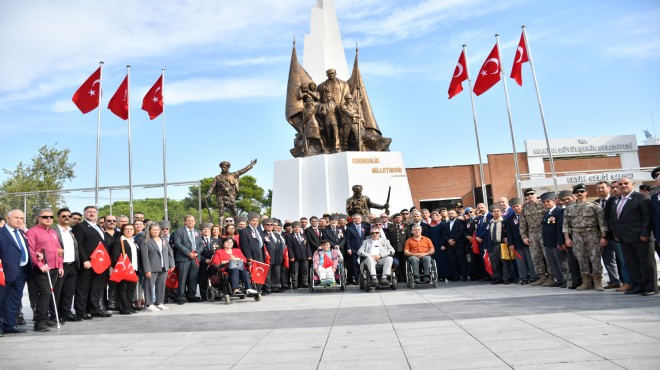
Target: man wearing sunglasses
x=585, y=231
x=377, y=251
x=65, y=287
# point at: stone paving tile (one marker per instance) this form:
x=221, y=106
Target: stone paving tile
x=644, y=363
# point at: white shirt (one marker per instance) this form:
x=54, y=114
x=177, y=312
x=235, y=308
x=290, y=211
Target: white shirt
x=375, y=247
x=67, y=241
x=131, y=244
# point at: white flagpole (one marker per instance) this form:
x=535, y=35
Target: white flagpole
x=538, y=95
x=130, y=156
x=508, y=109
x=164, y=151
x=476, y=131
x=98, y=138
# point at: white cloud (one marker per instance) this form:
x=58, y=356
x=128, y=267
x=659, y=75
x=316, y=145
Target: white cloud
x=204, y=89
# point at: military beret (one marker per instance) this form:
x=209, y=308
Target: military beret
x=579, y=187
x=468, y=209
x=404, y=211
x=253, y=215
x=240, y=219
x=548, y=196
x=514, y=201
x=278, y=223
x=655, y=172
x=205, y=225
x=295, y=223
x=165, y=225
x=495, y=206
x=644, y=187
x=565, y=193
x=529, y=191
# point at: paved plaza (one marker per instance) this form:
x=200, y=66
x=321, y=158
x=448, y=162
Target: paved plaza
x=457, y=325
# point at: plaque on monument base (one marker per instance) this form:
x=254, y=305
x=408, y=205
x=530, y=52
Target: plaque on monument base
x=312, y=186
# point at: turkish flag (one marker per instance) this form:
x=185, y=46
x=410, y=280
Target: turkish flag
x=327, y=262
x=124, y=271
x=172, y=281
x=520, y=58
x=119, y=102
x=259, y=272
x=100, y=259
x=460, y=75
x=475, y=243
x=266, y=255
x=2, y=275
x=487, y=264
x=153, y=100
x=489, y=74
x=87, y=97
x=286, y=257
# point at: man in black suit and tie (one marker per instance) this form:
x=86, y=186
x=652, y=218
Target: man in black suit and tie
x=299, y=257
x=250, y=239
x=313, y=234
x=554, y=242
x=187, y=249
x=655, y=208
x=65, y=287
x=356, y=233
x=455, y=242
x=89, y=285
x=15, y=262
x=631, y=218
x=334, y=234
x=612, y=253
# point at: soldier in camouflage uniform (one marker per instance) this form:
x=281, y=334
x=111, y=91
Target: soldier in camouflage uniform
x=531, y=224
x=586, y=231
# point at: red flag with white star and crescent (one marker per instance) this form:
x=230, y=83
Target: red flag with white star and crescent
x=119, y=102
x=520, y=58
x=489, y=74
x=100, y=259
x=460, y=75
x=87, y=97
x=153, y=100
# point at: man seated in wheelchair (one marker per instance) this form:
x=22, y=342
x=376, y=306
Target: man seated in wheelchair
x=377, y=251
x=326, y=262
x=229, y=260
x=419, y=247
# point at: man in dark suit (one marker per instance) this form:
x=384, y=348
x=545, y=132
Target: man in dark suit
x=89, y=285
x=612, y=255
x=631, y=218
x=299, y=257
x=417, y=220
x=187, y=249
x=356, y=233
x=516, y=244
x=313, y=234
x=334, y=234
x=454, y=243
x=251, y=242
x=206, y=245
x=15, y=261
x=65, y=287
x=655, y=208
x=275, y=247
x=553, y=241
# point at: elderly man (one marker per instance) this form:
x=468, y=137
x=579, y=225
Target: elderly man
x=15, y=259
x=187, y=250
x=377, y=251
x=418, y=248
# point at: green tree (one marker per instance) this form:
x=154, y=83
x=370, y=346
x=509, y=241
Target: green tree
x=49, y=169
x=153, y=209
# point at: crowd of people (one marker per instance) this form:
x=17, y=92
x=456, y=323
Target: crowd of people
x=560, y=240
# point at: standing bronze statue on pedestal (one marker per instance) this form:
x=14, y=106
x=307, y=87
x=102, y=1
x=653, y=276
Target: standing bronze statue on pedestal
x=225, y=186
x=361, y=204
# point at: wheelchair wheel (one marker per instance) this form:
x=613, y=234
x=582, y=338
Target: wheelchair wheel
x=395, y=282
x=434, y=274
x=409, y=276
x=257, y=297
x=227, y=299
x=210, y=294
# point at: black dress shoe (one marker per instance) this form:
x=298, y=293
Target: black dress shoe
x=133, y=310
x=649, y=293
x=181, y=301
x=41, y=326
x=71, y=317
x=634, y=291
x=101, y=313
x=14, y=330
x=85, y=316
x=125, y=312
x=194, y=299
x=495, y=282
x=20, y=320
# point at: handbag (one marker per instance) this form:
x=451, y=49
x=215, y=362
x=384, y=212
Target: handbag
x=506, y=255
x=235, y=264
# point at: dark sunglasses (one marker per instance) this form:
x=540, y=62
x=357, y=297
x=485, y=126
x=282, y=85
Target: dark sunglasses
x=581, y=191
x=376, y=233
x=110, y=220
x=65, y=216
x=47, y=217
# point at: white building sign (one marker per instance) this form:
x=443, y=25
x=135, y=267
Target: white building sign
x=582, y=146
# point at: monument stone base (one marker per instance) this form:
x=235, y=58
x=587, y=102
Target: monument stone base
x=312, y=186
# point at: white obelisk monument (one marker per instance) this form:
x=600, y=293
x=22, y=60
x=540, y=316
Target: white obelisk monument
x=323, y=48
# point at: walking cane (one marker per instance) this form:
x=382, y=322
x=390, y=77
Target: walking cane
x=52, y=291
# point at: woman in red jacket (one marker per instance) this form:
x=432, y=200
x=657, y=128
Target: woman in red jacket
x=228, y=257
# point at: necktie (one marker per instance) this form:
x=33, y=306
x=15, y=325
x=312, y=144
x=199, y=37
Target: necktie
x=619, y=206
x=206, y=240
x=19, y=240
x=192, y=237
x=299, y=238
x=317, y=232
x=359, y=231
x=257, y=236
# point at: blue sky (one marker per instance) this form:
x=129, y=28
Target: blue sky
x=598, y=66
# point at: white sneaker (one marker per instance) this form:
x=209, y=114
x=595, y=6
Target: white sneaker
x=251, y=291
x=152, y=308
x=162, y=307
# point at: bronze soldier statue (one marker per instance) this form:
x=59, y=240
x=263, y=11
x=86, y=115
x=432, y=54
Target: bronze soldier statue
x=225, y=186
x=361, y=204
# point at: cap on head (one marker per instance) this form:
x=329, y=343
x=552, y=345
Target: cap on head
x=165, y=225
x=468, y=209
x=565, y=193
x=548, y=196
x=295, y=223
x=578, y=187
x=514, y=201
x=529, y=191
x=655, y=172
x=240, y=219
x=495, y=206
x=205, y=225
x=253, y=215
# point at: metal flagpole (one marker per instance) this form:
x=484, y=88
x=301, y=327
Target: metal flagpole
x=98, y=138
x=538, y=95
x=164, y=150
x=508, y=109
x=130, y=156
x=476, y=131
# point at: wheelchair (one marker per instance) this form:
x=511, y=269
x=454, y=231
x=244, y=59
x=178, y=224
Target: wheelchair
x=340, y=279
x=365, y=278
x=220, y=287
x=433, y=274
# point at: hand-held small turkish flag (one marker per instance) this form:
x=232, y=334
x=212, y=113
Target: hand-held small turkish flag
x=119, y=102
x=460, y=75
x=266, y=255
x=2, y=275
x=286, y=257
x=520, y=58
x=118, y=271
x=172, y=281
x=475, y=243
x=129, y=273
x=100, y=259
x=86, y=98
x=327, y=261
x=259, y=272
x=489, y=74
x=153, y=100
x=487, y=264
